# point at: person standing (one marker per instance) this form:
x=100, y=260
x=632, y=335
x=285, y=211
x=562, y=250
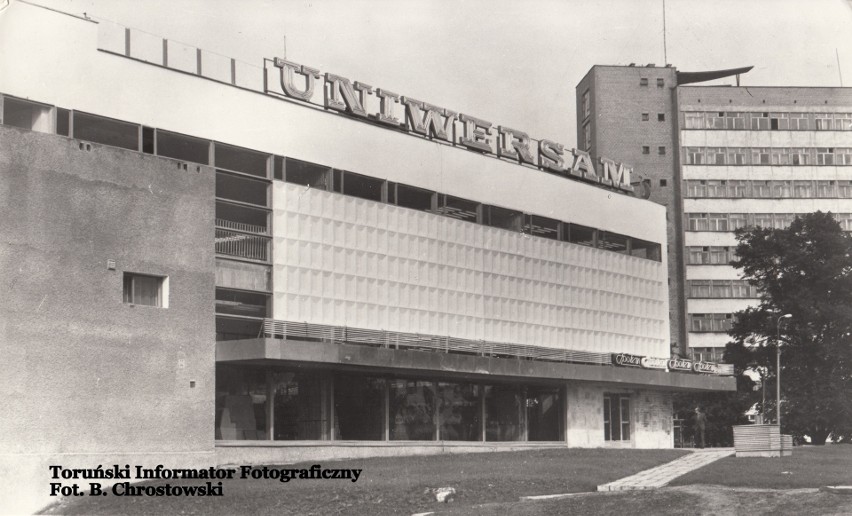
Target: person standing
x=700, y=424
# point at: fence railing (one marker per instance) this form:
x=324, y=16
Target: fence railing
x=242, y=245
x=444, y=344
x=241, y=226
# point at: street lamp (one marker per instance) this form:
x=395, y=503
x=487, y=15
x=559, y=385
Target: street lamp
x=778, y=367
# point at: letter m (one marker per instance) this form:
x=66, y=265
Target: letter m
x=616, y=175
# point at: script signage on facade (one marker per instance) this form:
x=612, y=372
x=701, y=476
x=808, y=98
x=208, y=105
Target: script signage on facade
x=395, y=111
x=654, y=363
x=626, y=360
x=680, y=364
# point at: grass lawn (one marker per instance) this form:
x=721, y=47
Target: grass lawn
x=809, y=466
x=675, y=501
x=398, y=485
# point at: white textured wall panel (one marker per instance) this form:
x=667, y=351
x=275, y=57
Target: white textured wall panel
x=341, y=260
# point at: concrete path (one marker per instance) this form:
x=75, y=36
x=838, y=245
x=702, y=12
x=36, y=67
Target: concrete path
x=662, y=475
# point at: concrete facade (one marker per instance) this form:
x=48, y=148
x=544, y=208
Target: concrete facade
x=88, y=377
x=790, y=188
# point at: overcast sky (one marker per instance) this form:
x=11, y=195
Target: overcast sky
x=511, y=62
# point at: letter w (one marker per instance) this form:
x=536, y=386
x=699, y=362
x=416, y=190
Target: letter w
x=430, y=123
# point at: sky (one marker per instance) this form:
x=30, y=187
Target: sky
x=513, y=63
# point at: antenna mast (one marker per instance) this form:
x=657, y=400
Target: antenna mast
x=665, y=53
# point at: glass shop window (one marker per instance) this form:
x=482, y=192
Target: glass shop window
x=411, y=410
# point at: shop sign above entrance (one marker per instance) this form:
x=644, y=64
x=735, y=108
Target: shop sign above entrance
x=394, y=111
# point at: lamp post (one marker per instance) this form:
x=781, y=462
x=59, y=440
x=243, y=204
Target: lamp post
x=778, y=367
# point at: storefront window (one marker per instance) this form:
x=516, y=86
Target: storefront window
x=411, y=414
x=359, y=405
x=460, y=412
x=299, y=413
x=240, y=403
x=544, y=414
x=504, y=413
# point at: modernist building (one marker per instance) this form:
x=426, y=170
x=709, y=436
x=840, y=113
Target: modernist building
x=720, y=158
x=207, y=261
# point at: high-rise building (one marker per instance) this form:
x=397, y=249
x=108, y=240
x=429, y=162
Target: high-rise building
x=719, y=158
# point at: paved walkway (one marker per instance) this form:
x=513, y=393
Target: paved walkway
x=662, y=475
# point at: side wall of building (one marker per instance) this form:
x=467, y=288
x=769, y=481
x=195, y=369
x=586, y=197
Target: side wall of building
x=90, y=379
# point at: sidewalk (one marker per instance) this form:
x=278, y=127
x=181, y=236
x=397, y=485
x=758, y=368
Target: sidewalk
x=662, y=475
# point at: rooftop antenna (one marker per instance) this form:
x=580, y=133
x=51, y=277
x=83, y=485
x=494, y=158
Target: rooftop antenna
x=839, y=72
x=284, y=56
x=665, y=53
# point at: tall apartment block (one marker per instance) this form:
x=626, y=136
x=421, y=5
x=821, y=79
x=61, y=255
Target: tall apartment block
x=753, y=156
x=719, y=158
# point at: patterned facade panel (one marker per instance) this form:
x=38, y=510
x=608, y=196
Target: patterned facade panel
x=347, y=261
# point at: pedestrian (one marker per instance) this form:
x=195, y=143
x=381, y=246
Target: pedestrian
x=700, y=424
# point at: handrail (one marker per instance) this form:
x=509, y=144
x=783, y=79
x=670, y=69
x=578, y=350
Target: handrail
x=242, y=226
x=400, y=340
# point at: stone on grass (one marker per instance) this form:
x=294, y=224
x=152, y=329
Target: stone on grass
x=445, y=494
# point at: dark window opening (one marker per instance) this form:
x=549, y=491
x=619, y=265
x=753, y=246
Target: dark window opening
x=544, y=414
x=307, y=174
x=63, y=122
x=661, y=117
x=148, y=140
x=363, y=187
x=278, y=168
x=414, y=198
x=459, y=208
x=179, y=146
x=503, y=218
x=240, y=160
x=613, y=242
x=141, y=289
x=542, y=227
x=582, y=235
x=661, y=151
x=337, y=183
x=242, y=218
x=646, y=149
x=504, y=413
x=106, y=131
x=26, y=115
x=359, y=407
x=664, y=182
x=643, y=81
x=241, y=189
x=243, y=303
x=616, y=417
x=232, y=328
x=644, y=249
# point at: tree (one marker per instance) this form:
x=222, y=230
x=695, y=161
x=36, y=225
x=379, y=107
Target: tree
x=804, y=270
